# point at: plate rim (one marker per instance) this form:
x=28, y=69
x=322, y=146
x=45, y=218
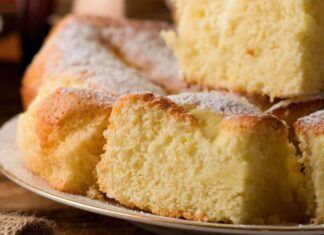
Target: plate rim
x=139, y=217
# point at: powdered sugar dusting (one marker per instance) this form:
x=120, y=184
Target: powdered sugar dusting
x=101, y=98
x=149, y=46
x=314, y=118
x=218, y=102
x=119, y=83
x=84, y=54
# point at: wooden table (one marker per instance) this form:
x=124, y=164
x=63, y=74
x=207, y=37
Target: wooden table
x=14, y=198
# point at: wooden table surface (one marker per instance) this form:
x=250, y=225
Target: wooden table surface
x=14, y=198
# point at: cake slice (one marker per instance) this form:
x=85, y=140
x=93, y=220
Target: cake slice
x=310, y=131
x=94, y=48
x=62, y=137
x=292, y=109
x=267, y=47
x=200, y=156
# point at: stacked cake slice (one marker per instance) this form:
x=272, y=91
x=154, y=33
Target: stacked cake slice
x=270, y=47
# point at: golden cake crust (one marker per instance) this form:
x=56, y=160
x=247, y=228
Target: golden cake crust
x=242, y=115
x=292, y=109
x=295, y=108
x=311, y=125
x=51, y=123
x=156, y=101
x=66, y=104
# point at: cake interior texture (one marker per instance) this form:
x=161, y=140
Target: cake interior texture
x=259, y=47
x=193, y=162
x=100, y=118
x=62, y=137
x=310, y=131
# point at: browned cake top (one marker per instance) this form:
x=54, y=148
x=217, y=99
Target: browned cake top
x=311, y=124
x=299, y=103
x=65, y=103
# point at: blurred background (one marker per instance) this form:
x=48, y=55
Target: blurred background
x=25, y=23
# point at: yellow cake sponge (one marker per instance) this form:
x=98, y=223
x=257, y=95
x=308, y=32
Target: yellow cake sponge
x=271, y=47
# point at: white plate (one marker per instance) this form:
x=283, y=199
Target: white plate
x=12, y=165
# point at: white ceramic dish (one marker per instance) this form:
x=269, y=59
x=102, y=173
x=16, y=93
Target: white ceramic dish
x=12, y=166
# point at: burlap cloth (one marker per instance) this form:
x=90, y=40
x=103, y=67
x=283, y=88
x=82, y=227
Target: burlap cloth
x=19, y=224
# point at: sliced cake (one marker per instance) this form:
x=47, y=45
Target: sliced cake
x=310, y=131
x=98, y=49
x=201, y=156
x=62, y=137
x=259, y=47
x=292, y=109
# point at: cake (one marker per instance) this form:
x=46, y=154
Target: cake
x=310, y=132
x=272, y=48
x=58, y=101
x=291, y=110
x=104, y=117
x=58, y=146
x=62, y=137
x=83, y=48
x=201, y=156
x=70, y=89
